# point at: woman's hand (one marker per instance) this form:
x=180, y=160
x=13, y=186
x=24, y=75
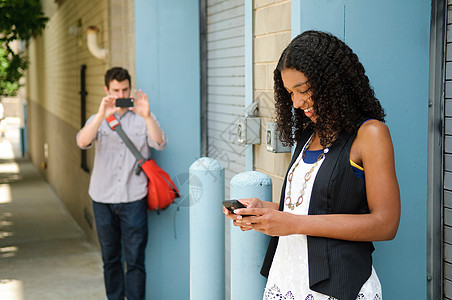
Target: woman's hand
x=266, y=220
x=256, y=208
x=246, y=202
x=249, y=203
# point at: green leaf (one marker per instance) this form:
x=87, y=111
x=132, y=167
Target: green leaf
x=21, y=20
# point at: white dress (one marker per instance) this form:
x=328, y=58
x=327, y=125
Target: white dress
x=288, y=277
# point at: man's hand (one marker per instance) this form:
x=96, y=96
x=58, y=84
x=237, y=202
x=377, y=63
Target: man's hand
x=141, y=104
x=107, y=106
x=142, y=109
x=87, y=134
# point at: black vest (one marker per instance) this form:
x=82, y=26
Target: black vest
x=337, y=268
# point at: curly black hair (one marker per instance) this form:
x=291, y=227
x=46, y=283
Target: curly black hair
x=342, y=95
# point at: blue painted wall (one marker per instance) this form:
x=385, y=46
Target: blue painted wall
x=391, y=38
x=167, y=69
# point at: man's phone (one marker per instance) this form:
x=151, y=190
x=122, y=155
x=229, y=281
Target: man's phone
x=124, y=102
x=234, y=204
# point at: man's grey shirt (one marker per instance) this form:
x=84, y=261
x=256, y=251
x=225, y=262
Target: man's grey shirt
x=114, y=179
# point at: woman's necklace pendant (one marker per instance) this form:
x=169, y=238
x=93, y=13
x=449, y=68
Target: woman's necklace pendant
x=307, y=176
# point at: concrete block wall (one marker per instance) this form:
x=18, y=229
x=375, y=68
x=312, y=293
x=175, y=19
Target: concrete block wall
x=53, y=91
x=122, y=36
x=272, y=33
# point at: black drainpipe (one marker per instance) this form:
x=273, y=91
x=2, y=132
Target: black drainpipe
x=83, y=94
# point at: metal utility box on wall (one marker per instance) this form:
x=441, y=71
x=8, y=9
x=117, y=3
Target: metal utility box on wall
x=273, y=144
x=248, y=130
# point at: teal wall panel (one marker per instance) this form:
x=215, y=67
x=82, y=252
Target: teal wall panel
x=168, y=70
x=392, y=40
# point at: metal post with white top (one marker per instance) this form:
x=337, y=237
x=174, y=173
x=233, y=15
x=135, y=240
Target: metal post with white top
x=248, y=248
x=206, y=193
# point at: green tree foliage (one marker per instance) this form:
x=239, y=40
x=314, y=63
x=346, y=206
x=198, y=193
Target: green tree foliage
x=20, y=20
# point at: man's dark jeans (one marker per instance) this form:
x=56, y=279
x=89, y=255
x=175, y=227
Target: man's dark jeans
x=126, y=223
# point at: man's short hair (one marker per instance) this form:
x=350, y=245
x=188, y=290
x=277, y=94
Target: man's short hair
x=117, y=73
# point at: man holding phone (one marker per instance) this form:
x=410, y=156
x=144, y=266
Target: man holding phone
x=118, y=192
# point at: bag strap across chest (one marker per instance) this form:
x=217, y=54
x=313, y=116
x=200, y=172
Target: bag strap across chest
x=115, y=125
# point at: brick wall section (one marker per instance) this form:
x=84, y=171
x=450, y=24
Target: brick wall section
x=272, y=33
x=53, y=90
x=57, y=55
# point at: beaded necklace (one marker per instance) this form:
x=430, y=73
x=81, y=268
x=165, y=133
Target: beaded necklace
x=307, y=176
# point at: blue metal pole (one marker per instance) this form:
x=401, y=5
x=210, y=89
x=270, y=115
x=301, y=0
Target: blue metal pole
x=206, y=192
x=248, y=248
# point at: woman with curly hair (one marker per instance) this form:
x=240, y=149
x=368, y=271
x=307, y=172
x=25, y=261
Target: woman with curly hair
x=340, y=192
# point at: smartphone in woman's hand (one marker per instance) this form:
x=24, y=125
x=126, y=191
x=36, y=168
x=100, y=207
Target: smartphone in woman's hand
x=231, y=205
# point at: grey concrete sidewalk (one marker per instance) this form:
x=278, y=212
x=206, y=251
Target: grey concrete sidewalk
x=43, y=252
